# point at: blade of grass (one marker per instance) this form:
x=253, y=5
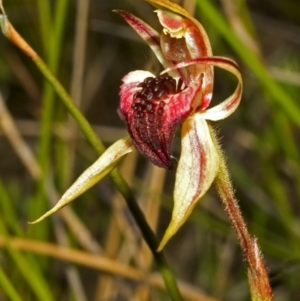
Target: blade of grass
x=238, y=15
x=276, y=187
x=11, y=223
x=44, y=13
x=54, y=41
x=31, y=275
x=8, y=287
x=66, y=148
x=284, y=132
x=9, y=213
x=35, y=280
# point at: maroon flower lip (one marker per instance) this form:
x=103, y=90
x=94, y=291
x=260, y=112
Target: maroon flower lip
x=153, y=109
x=145, y=126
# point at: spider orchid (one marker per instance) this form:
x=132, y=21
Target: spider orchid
x=154, y=107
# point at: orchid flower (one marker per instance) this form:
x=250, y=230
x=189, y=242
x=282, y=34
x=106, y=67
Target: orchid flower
x=155, y=106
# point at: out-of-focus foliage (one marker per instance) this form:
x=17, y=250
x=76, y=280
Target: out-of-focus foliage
x=90, y=49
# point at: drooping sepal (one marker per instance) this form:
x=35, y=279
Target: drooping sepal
x=197, y=168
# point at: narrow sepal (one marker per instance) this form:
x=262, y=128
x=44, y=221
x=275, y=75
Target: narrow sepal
x=104, y=165
x=147, y=33
x=197, y=168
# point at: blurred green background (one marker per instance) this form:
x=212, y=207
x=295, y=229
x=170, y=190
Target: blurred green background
x=89, y=48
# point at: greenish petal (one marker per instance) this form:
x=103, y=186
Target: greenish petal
x=96, y=172
x=197, y=168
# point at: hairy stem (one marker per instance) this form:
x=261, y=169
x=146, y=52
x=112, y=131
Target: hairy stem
x=257, y=275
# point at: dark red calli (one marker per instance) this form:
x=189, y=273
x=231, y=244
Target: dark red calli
x=153, y=108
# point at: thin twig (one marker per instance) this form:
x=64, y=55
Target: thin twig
x=20, y=147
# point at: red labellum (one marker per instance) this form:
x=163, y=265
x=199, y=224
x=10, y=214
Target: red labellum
x=153, y=108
